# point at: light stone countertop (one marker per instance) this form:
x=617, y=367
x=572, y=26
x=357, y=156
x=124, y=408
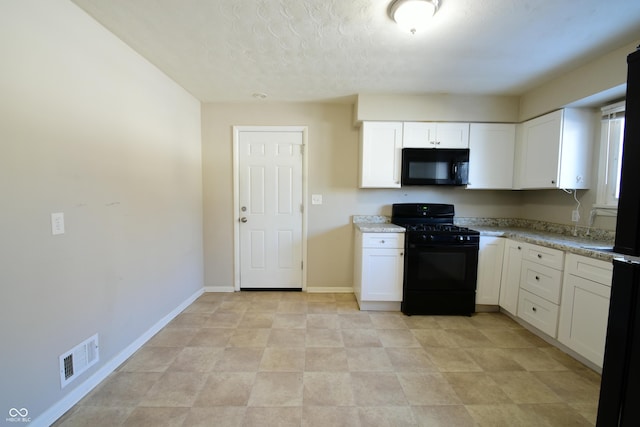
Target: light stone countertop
x=378, y=227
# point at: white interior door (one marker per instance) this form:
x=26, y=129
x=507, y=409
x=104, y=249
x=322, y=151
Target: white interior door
x=270, y=199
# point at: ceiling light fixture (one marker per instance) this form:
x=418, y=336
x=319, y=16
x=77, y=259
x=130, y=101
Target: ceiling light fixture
x=413, y=15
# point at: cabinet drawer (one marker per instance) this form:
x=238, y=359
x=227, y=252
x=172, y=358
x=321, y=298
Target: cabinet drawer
x=590, y=269
x=383, y=240
x=538, y=312
x=542, y=281
x=549, y=257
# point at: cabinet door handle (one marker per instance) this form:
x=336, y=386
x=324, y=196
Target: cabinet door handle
x=382, y=241
x=537, y=278
x=401, y=253
x=534, y=309
x=539, y=256
x=553, y=181
x=519, y=247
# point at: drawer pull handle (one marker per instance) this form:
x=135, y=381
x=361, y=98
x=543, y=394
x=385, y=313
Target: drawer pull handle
x=382, y=241
x=401, y=253
x=534, y=309
x=537, y=277
x=539, y=256
x=519, y=247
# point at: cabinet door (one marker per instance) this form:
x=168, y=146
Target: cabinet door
x=510, y=280
x=489, y=270
x=380, y=154
x=491, y=155
x=541, y=151
x=382, y=271
x=452, y=135
x=583, y=317
x=435, y=135
x=419, y=135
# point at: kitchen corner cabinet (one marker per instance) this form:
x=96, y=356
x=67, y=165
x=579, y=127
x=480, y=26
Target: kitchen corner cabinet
x=491, y=154
x=584, y=313
x=379, y=270
x=555, y=150
x=435, y=135
x=380, y=154
x=510, y=277
x=489, y=270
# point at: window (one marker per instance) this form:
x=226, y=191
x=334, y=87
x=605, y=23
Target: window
x=612, y=137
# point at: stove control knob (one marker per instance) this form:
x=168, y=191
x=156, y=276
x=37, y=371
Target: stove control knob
x=461, y=238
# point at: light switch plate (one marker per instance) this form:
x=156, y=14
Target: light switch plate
x=57, y=223
x=316, y=199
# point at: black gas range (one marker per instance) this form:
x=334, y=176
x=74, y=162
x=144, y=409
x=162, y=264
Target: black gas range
x=441, y=260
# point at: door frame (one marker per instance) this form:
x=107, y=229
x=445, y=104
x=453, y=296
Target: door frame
x=236, y=194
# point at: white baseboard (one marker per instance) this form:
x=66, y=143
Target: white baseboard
x=219, y=289
x=330, y=290
x=49, y=416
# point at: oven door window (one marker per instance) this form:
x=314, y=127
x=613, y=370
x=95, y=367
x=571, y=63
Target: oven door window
x=441, y=268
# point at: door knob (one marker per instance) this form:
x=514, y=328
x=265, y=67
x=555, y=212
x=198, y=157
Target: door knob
x=243, y=219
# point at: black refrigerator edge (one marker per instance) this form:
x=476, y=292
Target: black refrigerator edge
x=619, y=403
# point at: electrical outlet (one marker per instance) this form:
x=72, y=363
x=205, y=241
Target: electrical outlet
x=575, y=215
x=57, y=223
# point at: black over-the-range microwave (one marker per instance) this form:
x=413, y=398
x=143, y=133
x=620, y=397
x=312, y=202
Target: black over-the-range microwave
x=435, y=166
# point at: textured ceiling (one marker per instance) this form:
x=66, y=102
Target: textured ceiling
x=303, y=50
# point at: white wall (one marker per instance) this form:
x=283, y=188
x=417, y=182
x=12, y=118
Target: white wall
x=88, y=128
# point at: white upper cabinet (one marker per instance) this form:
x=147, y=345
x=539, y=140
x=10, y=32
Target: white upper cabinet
x=435, y=135
x=555, y=150
x=491, y=155
x=380, y=154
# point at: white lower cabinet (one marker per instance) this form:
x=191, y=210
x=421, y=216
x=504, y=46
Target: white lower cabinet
x=489, y=270
x=379, y=269
x=510, y=277
x=585, y=306
x=538, y=312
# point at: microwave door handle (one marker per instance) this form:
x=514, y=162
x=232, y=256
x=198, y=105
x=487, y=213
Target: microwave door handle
x=454, y=169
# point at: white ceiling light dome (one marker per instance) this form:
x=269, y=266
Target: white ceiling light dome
x=413, y=15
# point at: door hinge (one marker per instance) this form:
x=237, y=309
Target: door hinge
x=302, y=149
x=301, y=265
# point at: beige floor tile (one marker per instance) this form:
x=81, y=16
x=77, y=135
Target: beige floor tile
x=277, y=359
x=347, y=307
x=240, y=360
x=324, y=416
x=196, y=359
x=399, y=338
x=290, y=321
x=249, y=338
x=524, y=387
x=220, y=416
x=555, y=414
x=455, y=322
x=174, y=389
x=232, y=306
x=387, y=416
x=493, y=321
x=377, y=389
x=570, y=387
x=263, y=306
x=390, y=320
x=420, y=322
x=344, y=297
x=122, y=389
x=588, y=410
x=509, y=415
x=359, y=320
x=535, y=359
x=469, y=338
x=94, y=416
x=321, y=297
x=294, y=307
x=256, y=319
x=424, y=389
x=494, y=359
x=434, y=338
x=324, y=338
x=319, y=307
x=151, y=359
x=277, y=389
x=323, y=321
x=203, y=307
x=360, y=338
x=280, y=417
x=287, y=338
x=156, y=417
x=327, y=389
x=511, y=338
x=223, y=320
x=452, y=360
x=188, y=320
x=443, y=416
x=367, y=359
x=326, y=360
x=476, y=388
x=226, y=389
x=172, y=337
x=211, y=337
x=410, y=360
